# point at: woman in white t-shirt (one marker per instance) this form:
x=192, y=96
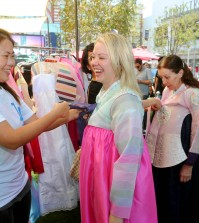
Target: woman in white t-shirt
x=18, y=125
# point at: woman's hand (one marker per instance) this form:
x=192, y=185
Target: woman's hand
x=156, y=104
x=114, y=219
x=74, y=114
x=61, y=109
x=185, y=173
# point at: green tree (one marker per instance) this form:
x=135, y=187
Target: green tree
x=176, y=32
x=98, y=16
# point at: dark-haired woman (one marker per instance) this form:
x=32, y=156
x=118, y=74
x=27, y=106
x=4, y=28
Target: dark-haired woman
x=18, y=125
x=94, y=86
x=173, y=141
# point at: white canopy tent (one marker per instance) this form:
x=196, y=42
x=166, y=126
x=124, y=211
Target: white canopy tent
x=23, y=7
x=28, y=25
x=30, y=15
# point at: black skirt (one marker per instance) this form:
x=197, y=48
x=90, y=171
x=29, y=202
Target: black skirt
x=177, y=202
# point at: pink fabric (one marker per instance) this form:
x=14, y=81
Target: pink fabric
x=97, y=159
x=14, y=86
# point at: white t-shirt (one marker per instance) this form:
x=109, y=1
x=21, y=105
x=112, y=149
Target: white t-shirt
x=13, y=176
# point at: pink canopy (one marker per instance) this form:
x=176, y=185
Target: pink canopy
x=144, y=54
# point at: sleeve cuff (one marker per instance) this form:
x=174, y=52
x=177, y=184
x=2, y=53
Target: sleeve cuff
x=192, y=157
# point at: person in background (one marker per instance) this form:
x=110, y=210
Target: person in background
x=144, y=78
x=147, y=65
x=18, y=125
x=114, y=160
x=151, y=88
x=173, y=142
x=94, y=86
x=25, y=69
x=158, y=85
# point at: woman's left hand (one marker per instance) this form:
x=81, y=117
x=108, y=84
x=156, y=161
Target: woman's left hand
x=185, y=173
x=114, y=219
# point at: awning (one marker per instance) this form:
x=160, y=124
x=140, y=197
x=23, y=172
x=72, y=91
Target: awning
x=22, y=25
x=144, y=54
x=23, y=7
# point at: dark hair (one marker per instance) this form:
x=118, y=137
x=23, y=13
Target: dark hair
x=160, y=58
x=26, y=72
x=175, y=64
x=6, y=35
x=138, y=60
x=84, y=60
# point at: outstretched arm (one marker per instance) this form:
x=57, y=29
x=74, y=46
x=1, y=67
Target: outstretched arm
x=155, y=103
x=72, y=114
x=13, y=138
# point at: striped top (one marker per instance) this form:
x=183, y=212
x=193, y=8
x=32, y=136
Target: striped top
x=65, y=85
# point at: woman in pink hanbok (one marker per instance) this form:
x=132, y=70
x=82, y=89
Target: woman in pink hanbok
x=116, y=184
x=173, y=142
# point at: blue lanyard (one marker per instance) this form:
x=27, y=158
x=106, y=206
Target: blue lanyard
x=18, y=111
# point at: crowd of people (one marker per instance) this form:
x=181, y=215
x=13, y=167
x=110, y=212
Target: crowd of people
x=124, y=176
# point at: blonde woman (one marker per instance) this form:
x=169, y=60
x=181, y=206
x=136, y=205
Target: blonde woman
x=116, y=184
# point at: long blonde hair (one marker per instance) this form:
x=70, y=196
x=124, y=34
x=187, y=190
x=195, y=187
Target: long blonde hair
x=122, y=60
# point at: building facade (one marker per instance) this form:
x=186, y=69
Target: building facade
x=160, y=9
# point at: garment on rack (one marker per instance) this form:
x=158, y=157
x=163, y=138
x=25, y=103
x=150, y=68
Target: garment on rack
x=77, y=75
x=66, y=87
x=57, y=190
x=66, y=69
x=63, y=88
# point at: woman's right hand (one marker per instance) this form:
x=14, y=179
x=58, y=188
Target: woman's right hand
x=61, y=109
x=186, y=173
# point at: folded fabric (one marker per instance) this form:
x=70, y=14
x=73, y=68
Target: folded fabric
x=85, y=107
x=81, y=121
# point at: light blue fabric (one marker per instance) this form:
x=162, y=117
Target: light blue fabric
x=35, y=207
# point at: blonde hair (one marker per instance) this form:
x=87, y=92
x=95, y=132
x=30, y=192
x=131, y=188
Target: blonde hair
x=122, y=60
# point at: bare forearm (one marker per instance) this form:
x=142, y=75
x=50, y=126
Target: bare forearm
x=72, y=115
x=147, y=82
x=22, y=135
x=154, y=102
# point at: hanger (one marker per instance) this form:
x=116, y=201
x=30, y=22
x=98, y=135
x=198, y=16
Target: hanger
x=51, y=60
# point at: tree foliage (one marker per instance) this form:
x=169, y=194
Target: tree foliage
x=98, y=16
x=176, y=32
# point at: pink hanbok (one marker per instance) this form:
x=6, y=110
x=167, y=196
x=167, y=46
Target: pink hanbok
x=115, y=168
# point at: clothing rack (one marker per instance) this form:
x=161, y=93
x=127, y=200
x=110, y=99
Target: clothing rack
x=50, y=50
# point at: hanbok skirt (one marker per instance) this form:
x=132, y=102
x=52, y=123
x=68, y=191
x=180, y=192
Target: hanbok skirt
x=98, y=156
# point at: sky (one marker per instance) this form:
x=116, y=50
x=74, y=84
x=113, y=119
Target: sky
x=147, y=7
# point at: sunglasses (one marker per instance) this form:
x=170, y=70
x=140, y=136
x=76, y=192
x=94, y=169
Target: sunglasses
x=137, y=66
